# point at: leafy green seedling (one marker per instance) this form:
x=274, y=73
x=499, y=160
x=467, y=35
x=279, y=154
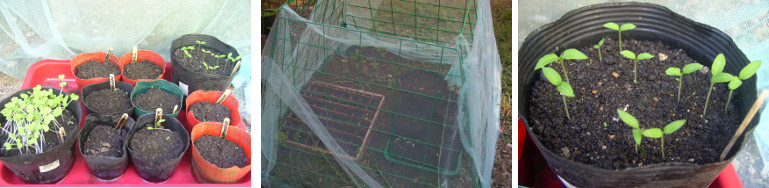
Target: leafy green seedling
x=719, y=76
x=746, y=72
x=624, y=27
x=232, y=59
x=30, y=115
x=689, y=68
x=550, y=58
x=199, y=43
x=158, y=125
x=660, y=133
x=209, y=67
x=598, y=47
x=631, y=55
x=563, y=87
x=632, y=122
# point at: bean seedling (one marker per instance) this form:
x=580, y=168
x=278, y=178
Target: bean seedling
x=624, y=27
x=598, y=47
x=550, y=58
x=631, y=55
x=689, y=68
x=210, y=67
x=718, y=76
x=746, y=72
x=158, y=124
x=632, y=122
x=660, y=133
x=563, y=87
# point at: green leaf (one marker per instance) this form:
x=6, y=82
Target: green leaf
x=7, y=146
x=734, y=83
x=674, y=126
x=57, y=112
x=611, y=25
x=637, y=136
x=74, y=97
x=627, y=26
x=627, y=118
x=691, y=67
x=552, y=76
x=643, y=56
x=600, y=43
x=652, y=133
x=722, y=77
x=573, y=54
x=673, y=71
x=750, y=69
x=61, y=76
x=596, y=46
x=718, y=64
x=627, y=54
x=566, y=90
x=545, y=60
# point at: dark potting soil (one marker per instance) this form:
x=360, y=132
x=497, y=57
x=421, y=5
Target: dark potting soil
x=596, y=136
x=195, y=63
x=96, y=69
x=221, y=152
x=108, y=101
x=105, y=140
x=52, y=139
x=156, y=144
x=155, y=98
x=143, y=69
x=206, y=111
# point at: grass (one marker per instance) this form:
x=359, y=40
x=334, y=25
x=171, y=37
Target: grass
x=503, y=20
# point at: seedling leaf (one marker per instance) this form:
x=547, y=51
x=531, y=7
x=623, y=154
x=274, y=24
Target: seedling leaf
x=573, y=54
x=691, y=67
x=718, y=65
x=552, y=76
x=722, y=77
x=643, y=56
x=611, y=25
x=652, y=133
x=627, y=118
x=600, y=43
x=627, y=26
x=673, y=126
x=637, y=136
x=545, y=60
x=734, y=83
x=566, y=90
x=673, y=71
x=750, y=69
x=628, y=54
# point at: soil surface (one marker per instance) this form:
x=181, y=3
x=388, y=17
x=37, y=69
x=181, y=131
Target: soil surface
x=195, y=63
x=156, y=144
x=206, y=111
x=143, y=69
x=52, y=139
x=105, y=140
x=222, y=153
x=108, y=101
x=96, y=69
x=596, y=136
x=155, y=98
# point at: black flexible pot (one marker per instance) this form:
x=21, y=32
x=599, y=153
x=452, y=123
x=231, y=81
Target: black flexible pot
x=104, y=167
x=50, y=166
x=157, y=171
x=197, y=81
x=126, y=87
x=583, y=27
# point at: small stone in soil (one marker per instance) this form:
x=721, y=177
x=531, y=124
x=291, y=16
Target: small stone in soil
x=108, y=100
x=96, y=69
x=155, y=98
x=105, y=141
x=222, y=153
x=615, y=74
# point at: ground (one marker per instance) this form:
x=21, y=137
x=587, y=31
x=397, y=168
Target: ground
x=502, y=172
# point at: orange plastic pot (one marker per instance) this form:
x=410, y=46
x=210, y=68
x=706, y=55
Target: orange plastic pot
x=206, y=172
x=211, y=96
x=142, y=55
x=98, y=56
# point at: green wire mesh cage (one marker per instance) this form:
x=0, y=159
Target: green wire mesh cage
x=369, y=93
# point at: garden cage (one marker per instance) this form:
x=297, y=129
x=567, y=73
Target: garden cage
x=397, y=93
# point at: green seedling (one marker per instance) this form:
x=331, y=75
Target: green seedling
x=158, y=125
x=209, y=67
x=660, y=133
x=719, y=76
x=598, y=47
x=550, y=58
x=674, y=71
x=563, y=87
x=199, y=43
x=631, y=55
x=232, y=59
x=624, y=27
x=746, y=72
x=632, y=122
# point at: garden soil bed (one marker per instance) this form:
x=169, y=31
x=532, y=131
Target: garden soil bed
x=596, y=136
x=96, y=69
x=142, y=70
x=52, y=140
x=220, y=152
x=155, y=98
x=206, y=111
x=105, y=140
x=195, y=64
x=108, y=101
x=157, y=144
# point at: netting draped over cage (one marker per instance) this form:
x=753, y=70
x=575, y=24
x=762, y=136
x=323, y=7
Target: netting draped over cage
x=380, y=93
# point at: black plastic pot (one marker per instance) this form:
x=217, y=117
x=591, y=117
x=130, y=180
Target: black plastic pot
x=126, y=87
x=197, y=81
x=104, y=167
x=583, y=27
x=157, y=171
x=50, y=166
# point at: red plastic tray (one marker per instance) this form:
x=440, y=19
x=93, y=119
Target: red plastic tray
x=46, y=73
x=534, y=172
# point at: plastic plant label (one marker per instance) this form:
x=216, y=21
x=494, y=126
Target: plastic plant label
x=184, y=87
x=49, y=166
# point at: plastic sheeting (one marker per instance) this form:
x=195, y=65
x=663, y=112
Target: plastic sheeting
x=40, y=29
x=335, y=47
